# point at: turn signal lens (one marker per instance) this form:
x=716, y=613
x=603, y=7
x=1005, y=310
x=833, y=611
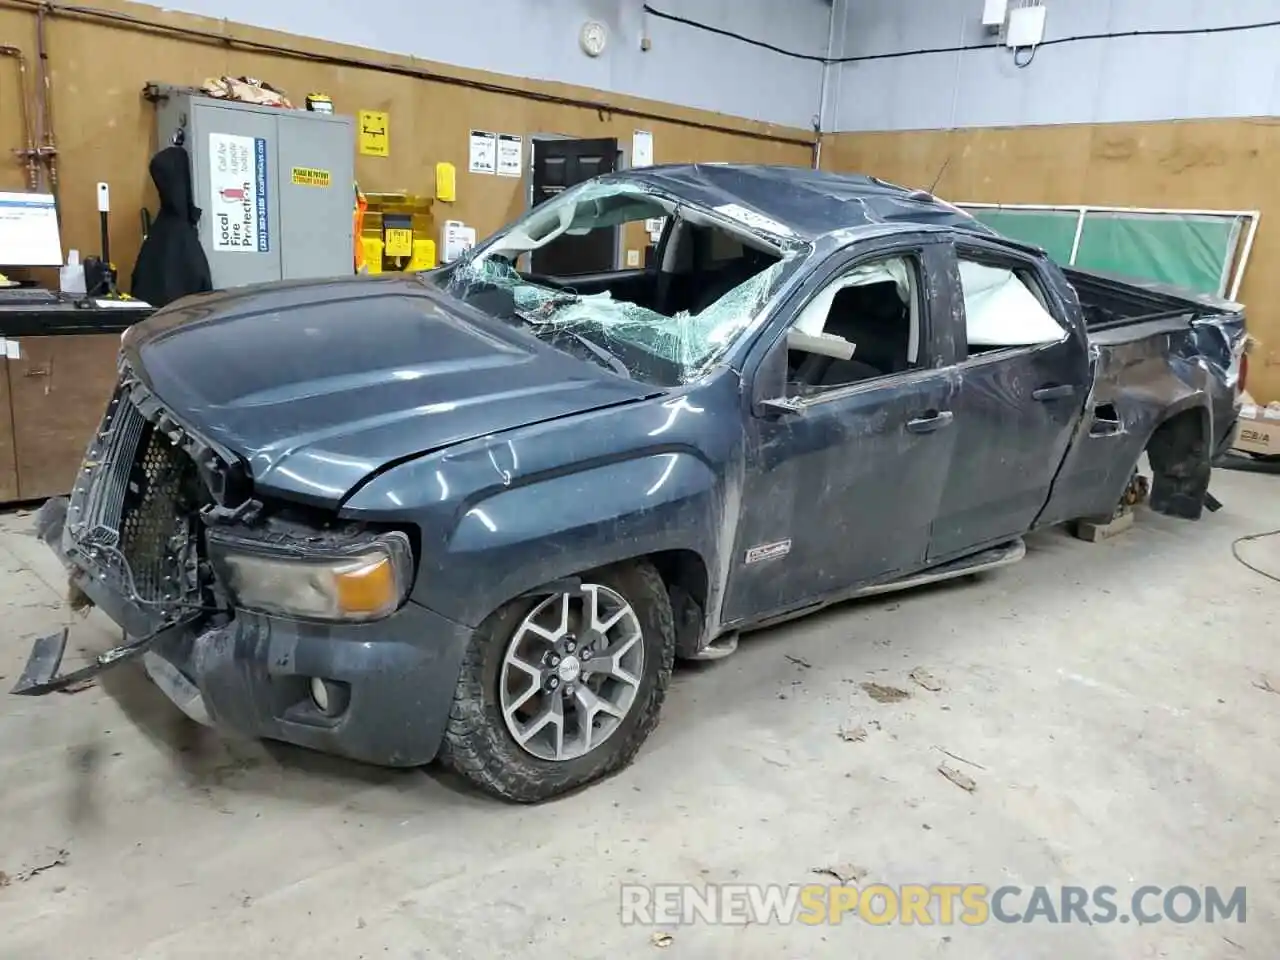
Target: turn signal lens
x=367, y=590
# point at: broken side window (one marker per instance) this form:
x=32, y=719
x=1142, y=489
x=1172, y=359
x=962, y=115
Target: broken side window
x=666, y=323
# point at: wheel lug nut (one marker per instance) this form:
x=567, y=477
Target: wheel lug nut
x=568, y=688
x=554, y=660
x=586, y=654
x=553, y=683
x=570, y=646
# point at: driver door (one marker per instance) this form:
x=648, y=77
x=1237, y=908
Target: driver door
x=841, y=489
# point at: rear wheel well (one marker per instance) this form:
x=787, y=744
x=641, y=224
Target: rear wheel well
x=1179, y=456
x=687, y=582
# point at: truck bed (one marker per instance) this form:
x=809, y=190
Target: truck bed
x=1110, y=302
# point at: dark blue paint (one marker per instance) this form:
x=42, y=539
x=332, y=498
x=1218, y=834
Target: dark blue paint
x=518, y=464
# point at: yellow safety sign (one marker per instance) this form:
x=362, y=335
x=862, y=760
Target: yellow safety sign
x=375, y=133
x=399, y=242
x=311, y=177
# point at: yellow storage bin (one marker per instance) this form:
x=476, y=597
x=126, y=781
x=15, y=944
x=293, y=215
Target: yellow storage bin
x=372, y=253
x=424, y=254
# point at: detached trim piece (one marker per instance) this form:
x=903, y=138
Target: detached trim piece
x=40, y=676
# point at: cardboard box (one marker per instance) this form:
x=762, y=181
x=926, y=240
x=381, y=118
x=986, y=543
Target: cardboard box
x=1258, y=430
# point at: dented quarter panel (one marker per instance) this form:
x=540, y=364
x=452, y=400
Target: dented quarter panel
x=1149, y=372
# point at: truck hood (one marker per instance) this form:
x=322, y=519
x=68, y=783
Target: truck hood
x=317, y=385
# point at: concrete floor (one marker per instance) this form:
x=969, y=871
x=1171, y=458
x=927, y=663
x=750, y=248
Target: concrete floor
x=1115, y=696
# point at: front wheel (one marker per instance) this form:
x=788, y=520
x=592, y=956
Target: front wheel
x=562, y=689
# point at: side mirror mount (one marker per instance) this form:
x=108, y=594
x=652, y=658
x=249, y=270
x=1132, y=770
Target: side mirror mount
x=769, y=387
x=781, y=406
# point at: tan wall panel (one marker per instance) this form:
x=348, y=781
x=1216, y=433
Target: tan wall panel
x=1209, y=164
x=106, y=131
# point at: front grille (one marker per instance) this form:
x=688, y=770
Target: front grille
x=97, y=502
x=156, y=518
x=134, y=511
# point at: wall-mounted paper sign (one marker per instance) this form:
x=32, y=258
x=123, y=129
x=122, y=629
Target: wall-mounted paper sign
x=642, y=149
x=482, y=152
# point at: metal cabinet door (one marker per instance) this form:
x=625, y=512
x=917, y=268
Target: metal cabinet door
x=234, y=188
x=317, y=194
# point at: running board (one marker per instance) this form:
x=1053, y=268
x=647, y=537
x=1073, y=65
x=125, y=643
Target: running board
x=989, y=559
x=717, y=649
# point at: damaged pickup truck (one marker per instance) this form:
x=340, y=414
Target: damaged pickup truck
x=475, y=514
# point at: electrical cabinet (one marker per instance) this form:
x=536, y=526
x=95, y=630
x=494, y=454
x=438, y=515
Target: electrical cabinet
x=275, y=187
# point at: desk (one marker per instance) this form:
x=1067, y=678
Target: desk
x=54, y=392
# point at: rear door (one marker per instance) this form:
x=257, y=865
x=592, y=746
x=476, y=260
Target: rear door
x=1024, y=378
x=558, y=165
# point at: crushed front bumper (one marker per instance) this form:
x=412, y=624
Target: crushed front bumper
x=252, y=675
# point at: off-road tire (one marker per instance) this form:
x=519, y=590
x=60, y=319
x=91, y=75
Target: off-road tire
x=478, y=745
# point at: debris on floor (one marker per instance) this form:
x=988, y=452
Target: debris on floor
x=1095, y=532
x=924, y=678
x=22, y=876
x=956, y=756
x=853, y=734
x=1265, y=685
x=961, y=780
x=77, y=686
x=882, y=694
x=846, y=873
x=799, y=661
x=661, y=939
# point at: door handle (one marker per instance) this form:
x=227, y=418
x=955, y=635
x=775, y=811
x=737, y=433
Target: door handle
x=1060, y=392
x=930, y=422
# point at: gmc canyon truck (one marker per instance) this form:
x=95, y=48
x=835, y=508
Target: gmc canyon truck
x=476, y=513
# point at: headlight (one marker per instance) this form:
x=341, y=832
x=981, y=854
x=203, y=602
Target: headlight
x=367, y=582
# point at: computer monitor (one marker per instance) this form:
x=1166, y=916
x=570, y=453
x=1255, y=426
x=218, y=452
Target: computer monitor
x=29, y=231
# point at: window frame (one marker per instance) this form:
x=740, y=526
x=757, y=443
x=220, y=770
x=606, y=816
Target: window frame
x=927, y=361
x=1024, y=268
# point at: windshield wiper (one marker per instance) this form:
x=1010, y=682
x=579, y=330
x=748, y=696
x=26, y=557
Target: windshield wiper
x=543, y=330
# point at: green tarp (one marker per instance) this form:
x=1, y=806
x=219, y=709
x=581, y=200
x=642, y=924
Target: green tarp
x=1195, y=251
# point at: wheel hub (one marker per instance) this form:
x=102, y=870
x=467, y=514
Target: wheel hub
x=570, y=669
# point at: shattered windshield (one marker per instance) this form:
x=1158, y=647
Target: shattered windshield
x=665, y=323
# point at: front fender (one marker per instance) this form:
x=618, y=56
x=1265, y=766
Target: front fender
x=520, y=538
x=507, y=540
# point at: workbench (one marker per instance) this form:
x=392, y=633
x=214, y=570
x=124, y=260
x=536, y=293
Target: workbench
x=59, y=372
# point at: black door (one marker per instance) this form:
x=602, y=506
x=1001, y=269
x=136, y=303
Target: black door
x=1015, y=414
x=843, y=490
x=558, y=164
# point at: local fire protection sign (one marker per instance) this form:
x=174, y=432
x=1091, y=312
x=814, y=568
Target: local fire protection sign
x=238, y=193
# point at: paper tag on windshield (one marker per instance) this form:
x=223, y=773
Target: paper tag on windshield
x=756, y=221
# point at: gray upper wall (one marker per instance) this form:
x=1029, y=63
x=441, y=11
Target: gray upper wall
x=539, y=39
x=1093, y=81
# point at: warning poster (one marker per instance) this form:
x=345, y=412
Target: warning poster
x=238, y=188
